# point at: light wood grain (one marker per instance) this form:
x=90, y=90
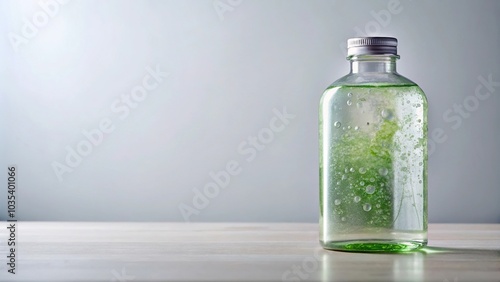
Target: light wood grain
x=89, y=251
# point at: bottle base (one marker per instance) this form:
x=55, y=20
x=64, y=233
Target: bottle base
x=374, y=246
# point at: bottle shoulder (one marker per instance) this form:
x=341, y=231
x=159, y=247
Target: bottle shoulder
x=383, y=82
x=372, y=79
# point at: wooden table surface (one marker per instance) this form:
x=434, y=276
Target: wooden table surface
x=91, y=251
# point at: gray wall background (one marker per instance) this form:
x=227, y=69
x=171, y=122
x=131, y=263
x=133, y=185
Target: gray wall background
x=230, y=63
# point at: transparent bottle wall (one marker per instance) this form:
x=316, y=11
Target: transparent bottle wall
x=373, y=163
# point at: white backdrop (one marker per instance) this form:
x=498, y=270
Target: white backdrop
x=207, y=110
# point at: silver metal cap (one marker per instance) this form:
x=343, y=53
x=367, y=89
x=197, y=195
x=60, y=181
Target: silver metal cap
x=372, y=46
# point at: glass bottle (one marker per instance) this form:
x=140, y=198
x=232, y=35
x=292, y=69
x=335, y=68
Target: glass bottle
x=373, y=155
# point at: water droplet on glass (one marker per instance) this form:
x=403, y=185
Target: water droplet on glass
x=362, y=170
x=420, y=163
x=419, y=120
x=346, y=170
x=349, y=102
x=386, y=114
x=337, y=202
x=359, y=105
x=337, y=124
x=352, y=169
x=383, y=171
x=357, y=199
x=343, y=218
x=370, y=189
x=356, y=128
x=349, y=94
x=367, y=207
x=344, y=177
x=377, y=205
x=372, y=179
x=362, y=183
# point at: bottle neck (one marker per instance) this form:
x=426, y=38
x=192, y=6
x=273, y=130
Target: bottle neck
x=373, y=64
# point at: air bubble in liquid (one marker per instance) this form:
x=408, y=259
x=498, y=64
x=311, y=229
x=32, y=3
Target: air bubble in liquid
x=357, y=199
x=349, y=102
x=362, y=170
x=337, y=124
x=337, y=202
x=386, y=114
x=370, y=189
x=383, y=171
x=367, y=207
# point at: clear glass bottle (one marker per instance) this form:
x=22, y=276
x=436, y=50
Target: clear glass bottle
x=373, y=155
